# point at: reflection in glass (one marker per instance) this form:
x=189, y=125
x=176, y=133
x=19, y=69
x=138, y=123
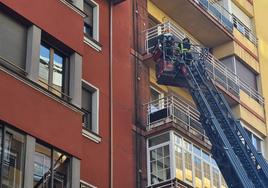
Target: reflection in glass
x=44, y=64
x=57, y=72
x=188, y=166
x=179, y=163
x=46, y=159
x=206, y=169
x=216, y=177
x=160, y=164
x=198, y=172
x=13, y=161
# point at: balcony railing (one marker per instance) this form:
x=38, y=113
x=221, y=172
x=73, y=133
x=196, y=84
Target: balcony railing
x=227, y=19
x=242, y=28
x=175, y=109
x=218, y=72
x=174, y=183
x=218, y=12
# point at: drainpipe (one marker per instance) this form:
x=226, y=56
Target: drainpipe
x=135, y=31
x=111, y=91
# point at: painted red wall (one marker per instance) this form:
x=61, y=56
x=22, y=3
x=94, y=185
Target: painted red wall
x=123, y=71
x=40, y=116
x=67, y=26
x=96, y=71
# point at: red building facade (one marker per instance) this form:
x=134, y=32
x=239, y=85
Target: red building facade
x=67, y=100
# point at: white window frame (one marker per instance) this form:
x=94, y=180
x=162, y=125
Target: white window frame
x=253, y=133
x=167, y=143
x=96, y=19
x=161, y=102
x=87, y=184
x=95, y=113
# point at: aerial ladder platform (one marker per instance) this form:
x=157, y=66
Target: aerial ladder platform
x=240, y=163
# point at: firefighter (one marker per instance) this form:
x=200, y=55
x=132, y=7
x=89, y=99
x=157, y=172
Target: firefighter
x=184, y=48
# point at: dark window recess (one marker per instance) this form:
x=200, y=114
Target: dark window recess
x=51, y=168
x=87, y=107
x=13, y=39
x=53, y=70
x=158, y=115
x=88, y=20
x=245, y=74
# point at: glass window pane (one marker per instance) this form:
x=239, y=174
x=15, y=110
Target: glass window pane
x=187, y=145
x=206, y=170
x=178, y=140
x=158, y=139
x=57, y=72
x=44, y=64
x=42, y=165
x=205, y=156
x=188, y=166
x=61, y=166
x=197, y=151
x=216, y=178
x=179, y=162
x=87, y=99
x=198, y=172
x=88, y=20
x=159, y=164
x=13, y=159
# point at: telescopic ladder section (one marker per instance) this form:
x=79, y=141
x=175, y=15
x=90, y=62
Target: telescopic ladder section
x=241, y=165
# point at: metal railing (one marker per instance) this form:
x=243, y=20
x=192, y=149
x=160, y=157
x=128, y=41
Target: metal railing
x=175, y=109
x=242, y=28
x=218, y=72
x=218, y=12
x=171, y=183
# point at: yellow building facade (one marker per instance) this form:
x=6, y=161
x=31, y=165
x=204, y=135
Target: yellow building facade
x=235, y=31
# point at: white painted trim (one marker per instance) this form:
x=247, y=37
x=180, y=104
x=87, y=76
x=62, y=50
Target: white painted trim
x=73, y=8
x=96, y=106
x=172, y=156
x=91, y=136
x=92, y=44
x=87, y=184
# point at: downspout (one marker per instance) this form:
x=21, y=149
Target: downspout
x=135, y=31
x=111, y=92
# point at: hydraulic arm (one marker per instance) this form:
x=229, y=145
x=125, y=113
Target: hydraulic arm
x=241, y=165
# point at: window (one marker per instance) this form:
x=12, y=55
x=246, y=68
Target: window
x=53, y=70
x=90, y=106
x=12, y=164
x=91, y=21
x=256, y=141
x=159, y=164
x=195, y=166
x=47, y=158
x=156, y=100
x=13, y=40
x=159, y=158
x=241, y=70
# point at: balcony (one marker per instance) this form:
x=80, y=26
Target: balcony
x=209, y=22
x=244, y=30
x=175, y=183
x=174, y=110
x=224, y=78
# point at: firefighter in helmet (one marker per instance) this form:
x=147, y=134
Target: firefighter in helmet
x=183, y=48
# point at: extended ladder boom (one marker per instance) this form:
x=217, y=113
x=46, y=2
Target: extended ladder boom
x=237, y=158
